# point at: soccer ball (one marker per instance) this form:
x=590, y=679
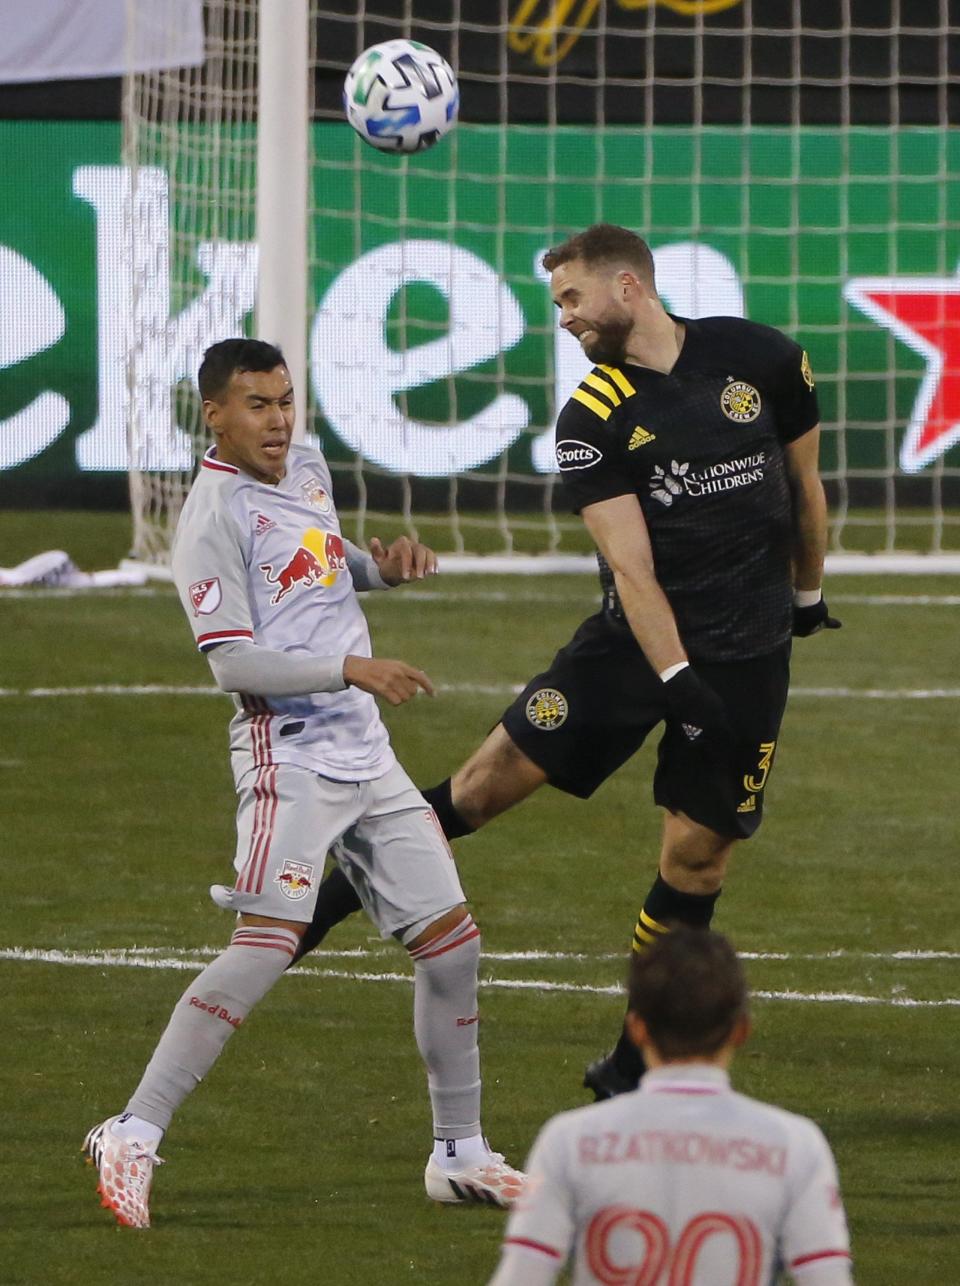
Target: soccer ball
x=401, y=96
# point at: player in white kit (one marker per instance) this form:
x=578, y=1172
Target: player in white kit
x=682, y=1182
x=269, y=585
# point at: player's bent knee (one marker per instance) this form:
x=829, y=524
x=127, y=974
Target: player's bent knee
x=299, y=927
x=451, y=922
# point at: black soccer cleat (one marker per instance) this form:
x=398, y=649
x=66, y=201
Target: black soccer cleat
x=606, y=1079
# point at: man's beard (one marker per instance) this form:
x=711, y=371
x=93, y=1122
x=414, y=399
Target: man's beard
x=610, y=344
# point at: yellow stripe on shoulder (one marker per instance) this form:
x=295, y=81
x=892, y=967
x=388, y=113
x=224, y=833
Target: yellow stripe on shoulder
x=621, y=381
x=592, y=403
x=603, y=386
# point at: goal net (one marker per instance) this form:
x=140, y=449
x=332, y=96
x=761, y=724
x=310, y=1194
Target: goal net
x=790, y=161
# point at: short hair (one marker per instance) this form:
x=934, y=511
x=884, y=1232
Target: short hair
x=222, y=360
x=605, y=243
x=689, y=988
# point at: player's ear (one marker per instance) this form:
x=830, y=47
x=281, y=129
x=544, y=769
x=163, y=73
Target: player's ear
x=211, y=414
x=637, y=1029
x=742, y=1030
x=630, y=284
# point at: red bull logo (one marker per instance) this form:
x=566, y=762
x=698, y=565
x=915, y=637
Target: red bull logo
x=318, y=561
x=295, y=880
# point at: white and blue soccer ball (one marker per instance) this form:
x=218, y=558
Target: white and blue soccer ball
x=401, y=96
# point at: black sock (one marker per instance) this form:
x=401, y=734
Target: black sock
x=663, y=907
x=439, y=799
x=336, y=899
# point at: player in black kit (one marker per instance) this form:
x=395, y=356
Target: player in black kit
x=690, y=451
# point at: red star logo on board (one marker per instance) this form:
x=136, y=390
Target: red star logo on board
x=924, y=313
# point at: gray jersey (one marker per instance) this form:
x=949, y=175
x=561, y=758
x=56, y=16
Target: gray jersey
x=268, y=564
x=685, y=1182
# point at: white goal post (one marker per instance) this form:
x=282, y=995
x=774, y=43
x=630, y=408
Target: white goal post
x=820, y=197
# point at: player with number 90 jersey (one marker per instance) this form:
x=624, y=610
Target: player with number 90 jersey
x=683, y=1182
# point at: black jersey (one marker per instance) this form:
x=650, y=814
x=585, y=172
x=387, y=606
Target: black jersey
x=702, y=449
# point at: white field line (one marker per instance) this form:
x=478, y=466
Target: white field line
x=119, y=959
x=386, y=951
x=91, y=591
x=473, y=689
x=518, y=595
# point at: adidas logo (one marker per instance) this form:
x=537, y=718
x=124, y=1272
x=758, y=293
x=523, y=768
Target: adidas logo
x=691, y=731
x=263, y=524
x=639, y=438
x=749, y=805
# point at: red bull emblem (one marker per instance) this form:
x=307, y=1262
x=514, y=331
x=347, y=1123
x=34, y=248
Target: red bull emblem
x=318, y=561
x=295, y=880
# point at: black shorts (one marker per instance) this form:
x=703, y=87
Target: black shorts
x=594, y=707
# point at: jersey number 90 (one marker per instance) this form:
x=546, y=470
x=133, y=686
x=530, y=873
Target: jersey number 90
x=662, y=1263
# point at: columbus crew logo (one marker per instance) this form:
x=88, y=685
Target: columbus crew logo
x=547, y=709
x=740, y=402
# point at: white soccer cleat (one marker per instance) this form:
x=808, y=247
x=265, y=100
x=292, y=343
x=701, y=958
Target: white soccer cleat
x=126, y=1173
x=491, y=1183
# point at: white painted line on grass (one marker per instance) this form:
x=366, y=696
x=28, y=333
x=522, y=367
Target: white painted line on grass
x=117, y=690
x=88, y=591
x=519, y=594
x=472, y=689
x=126, y=959
x=385, y=950
x=899, y=600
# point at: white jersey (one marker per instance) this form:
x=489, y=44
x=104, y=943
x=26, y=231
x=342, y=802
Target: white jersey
x=681, y=1183
x=267, y=564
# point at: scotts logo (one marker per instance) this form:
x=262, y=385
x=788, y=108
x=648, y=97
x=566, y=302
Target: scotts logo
x=318, y=561
x=547, y=709
x=572, y=454
x=740, y=402
x=295, y=880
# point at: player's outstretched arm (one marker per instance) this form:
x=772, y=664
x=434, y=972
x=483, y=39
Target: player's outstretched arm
x=620, y=531
x=810, y=612
x=395, y=681
x=404, y=560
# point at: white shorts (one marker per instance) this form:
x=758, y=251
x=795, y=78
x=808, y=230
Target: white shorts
x=383, y=833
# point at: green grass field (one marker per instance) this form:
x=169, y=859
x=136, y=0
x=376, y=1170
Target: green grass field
x=300, y=1160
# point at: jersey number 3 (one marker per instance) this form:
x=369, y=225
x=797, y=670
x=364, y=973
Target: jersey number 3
x=612, y=1232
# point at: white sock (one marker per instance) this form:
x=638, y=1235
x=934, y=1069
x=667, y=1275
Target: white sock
x=457, y=1154
x=445, y=1022
x=207, y=1014
x=136, y=1130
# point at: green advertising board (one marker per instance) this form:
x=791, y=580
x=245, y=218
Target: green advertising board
x=433, y=341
